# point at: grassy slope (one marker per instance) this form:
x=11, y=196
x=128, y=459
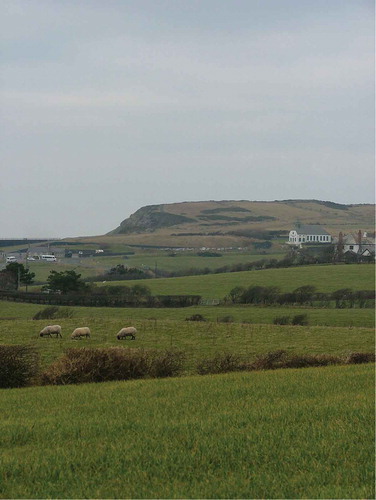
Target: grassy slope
x=326, y=278
x=285, y=434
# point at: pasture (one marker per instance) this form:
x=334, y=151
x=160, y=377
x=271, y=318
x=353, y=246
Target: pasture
x=197, y=339
x=98, y=265
x=326, y=278
x=305, y=433
x=238, y=313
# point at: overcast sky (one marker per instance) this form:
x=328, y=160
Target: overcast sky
x=111, y=105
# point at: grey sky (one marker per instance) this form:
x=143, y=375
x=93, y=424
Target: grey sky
x=107, y=106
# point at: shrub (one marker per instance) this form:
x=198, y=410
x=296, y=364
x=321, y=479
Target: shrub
x=196, y=317
x=54, y=312
x=19, y=364
x=305, y=360
x=269, y=361
x=221, y=363
x=281, y=320
x=360, y=357
x=226, y=319
x=84, y=365
x=46, y=313
x=300, y=319
x=166, y=364
x=281, y=359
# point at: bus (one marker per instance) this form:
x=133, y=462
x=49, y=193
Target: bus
x=48, y=258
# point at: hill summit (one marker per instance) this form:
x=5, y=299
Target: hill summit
x=214, y=223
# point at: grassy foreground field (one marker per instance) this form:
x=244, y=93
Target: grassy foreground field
x=326, y=278
x=305, y=433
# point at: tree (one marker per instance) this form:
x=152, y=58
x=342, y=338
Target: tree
x=20, y=274
x=304, y=294
x=65, y=281
x=236, y=294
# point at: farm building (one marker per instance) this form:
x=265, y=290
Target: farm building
x=309, y=233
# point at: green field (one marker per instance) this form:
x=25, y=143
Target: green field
x=239, y=313
x=196, y=339
x=98, y=265
x=326, y=278
x=305, y=433
x=184, y=261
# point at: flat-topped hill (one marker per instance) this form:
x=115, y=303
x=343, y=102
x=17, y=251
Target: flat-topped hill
x=236, y=223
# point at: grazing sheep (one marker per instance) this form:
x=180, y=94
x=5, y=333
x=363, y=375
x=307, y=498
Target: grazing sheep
x=50, y=330
x=79, y=333
x=127, y=332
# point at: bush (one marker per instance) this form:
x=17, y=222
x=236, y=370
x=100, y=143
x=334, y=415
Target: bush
x=226, y=319
x=46, y=313
x=281, y=359
x=19, y=365
x=78, y=366
x=281, y=320
x=300, y=319
x=85, y=365
x=54, y=312
x=269, y=361
x=221, y=363
x=196, y=317
x=166, y=364
x=305, y=360
x=360, y=357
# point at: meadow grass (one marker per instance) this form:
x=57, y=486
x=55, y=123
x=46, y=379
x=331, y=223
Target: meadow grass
x=184, y=261
x=98, y=265
x=239, y=313
x=196, y=339
x=305, y=433
x=326, y=278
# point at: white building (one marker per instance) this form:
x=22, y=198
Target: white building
x=309, y=233
x=359, y=244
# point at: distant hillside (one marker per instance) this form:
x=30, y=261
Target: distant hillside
x=236, y=223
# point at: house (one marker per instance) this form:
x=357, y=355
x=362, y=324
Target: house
x=359, y=244
x=309, y=233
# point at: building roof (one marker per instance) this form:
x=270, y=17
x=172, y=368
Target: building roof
x=314, y=229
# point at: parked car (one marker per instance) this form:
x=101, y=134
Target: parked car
x=11, y=259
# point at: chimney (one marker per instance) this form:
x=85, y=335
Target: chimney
x=359, y=237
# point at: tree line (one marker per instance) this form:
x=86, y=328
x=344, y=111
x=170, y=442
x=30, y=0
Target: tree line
x=304, y=295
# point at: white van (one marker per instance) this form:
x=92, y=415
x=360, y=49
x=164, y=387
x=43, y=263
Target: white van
x=49, y=258
x=11, y=259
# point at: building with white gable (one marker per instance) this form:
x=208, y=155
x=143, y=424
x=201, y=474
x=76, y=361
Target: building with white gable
x=309, y=233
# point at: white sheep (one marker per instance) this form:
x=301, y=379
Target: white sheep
x=50, y=330
x=130, y=331
x=79, y=333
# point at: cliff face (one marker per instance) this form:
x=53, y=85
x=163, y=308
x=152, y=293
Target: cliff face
x=148, y=219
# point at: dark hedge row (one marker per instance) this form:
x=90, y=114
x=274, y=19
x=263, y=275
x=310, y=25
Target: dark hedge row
x=304, y=295
x=20, y=365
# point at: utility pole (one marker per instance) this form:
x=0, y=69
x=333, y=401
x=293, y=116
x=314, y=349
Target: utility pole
x=18, y=278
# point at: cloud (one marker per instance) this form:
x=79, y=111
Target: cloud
x=154, y=101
